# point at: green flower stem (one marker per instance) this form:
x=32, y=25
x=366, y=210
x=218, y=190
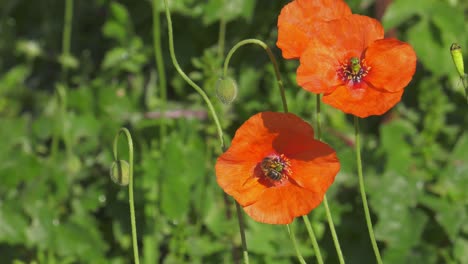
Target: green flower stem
x=188, y=80
x=66, y=37
x=363, y=192
x=130, y=187
x=312, y=237
x=272, y=59
x=293, y=239
x=245, y=253
x=159, y=64
x=464, y=81
x=213, y=113
x=222, y=36
x=60, y=92
x=336, y=242
x=318, y=116
x=285, y=108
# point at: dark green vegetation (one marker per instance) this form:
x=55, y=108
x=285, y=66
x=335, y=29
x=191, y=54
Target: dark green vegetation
x=59, y=113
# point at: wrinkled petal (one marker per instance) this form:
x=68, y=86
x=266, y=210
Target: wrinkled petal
x=300, y=19
x=362, y=102
x=261, y=135
x=392, y=63
x=313, y=165
x=280, y=205
x=350, y=35
x=290, y=132
x=316, y=168
x=317, y=72
x=238, y=179
x=339, y=40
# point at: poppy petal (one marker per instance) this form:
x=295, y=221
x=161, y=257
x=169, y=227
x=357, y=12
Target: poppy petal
x=280, y=205
x=351, y=34
x=285, y=135
x=316, y=168
x=340, y=40
x=392, y=63
x=300, y=19
x=362, y=102
x=261, y=135
x=317, y=72
x=238, y=179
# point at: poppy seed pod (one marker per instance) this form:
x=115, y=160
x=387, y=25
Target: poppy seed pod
x=226, y=90
x=120, y=172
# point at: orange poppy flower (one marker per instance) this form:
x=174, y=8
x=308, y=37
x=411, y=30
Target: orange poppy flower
x=358, y=71
x=275, y=169
x=300, y=19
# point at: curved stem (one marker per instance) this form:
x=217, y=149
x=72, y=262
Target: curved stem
x=213, y=113
x=311, y=233
x=187, y=79
x=130, y=187
x=363, y=193
x=272, y=59
x=336, y=242
x=159, y=64
x=293, y=239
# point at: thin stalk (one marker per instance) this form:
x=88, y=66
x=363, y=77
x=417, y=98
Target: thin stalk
x=60, y=93
x=66, y=37
x=312, y=237
x=212, y=111
x=272, y=59
x=363, y=193
x=159, y=65
x=245, y=253
x=130, y=187
x=293, y=239
x=336, y=242
x=222, y=36
x=188, y=80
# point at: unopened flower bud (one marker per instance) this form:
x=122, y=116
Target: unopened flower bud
x=226, y=90
x=120, y=172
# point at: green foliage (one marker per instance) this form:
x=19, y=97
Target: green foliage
x=58, y=204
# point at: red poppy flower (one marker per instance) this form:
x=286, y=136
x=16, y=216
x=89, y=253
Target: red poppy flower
x=358, y=71
x=275, y=169
x=300, y=19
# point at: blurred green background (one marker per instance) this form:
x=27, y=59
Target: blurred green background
x=60, y=110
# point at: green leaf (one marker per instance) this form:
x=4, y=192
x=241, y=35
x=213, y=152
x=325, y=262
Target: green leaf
x=399, y=11
x=114, y=30
x=394, y=137
x=448, y=214
x=13, y=223
x=80, y=238
x=183, y=166
x=115, y=57
x=68, y=61
x=433, y=53
x=452, y=181
x=215, y=10
x=402, y=236
x=14, y=78
x=461, y=250
x=119, y=12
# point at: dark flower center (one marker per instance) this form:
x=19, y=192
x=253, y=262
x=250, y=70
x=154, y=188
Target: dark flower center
x=353, y=71
x=276, y=167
